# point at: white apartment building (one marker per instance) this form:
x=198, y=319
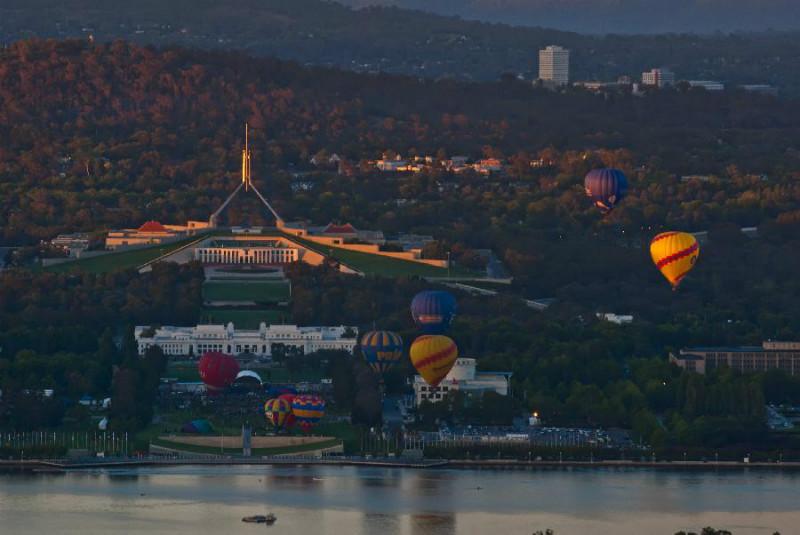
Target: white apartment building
x=465, y=378
x=658, y=77
x=554, y=65
x=183, y=341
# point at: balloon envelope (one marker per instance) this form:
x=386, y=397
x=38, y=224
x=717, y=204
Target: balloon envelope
x=217, y=370
x=308, y=410
x=606, y=187
x=382, y=350
x=433, y=356
x=290, y=419
x=433, y=310
x=674, y=254
x=277, y=412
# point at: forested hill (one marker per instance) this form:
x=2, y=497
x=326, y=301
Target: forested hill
x=401, y=41
x=108, y=135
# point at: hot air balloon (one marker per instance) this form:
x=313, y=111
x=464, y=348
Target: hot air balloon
x=433, y=356
x=606, y=187
x=290, y=419
x=382, y=350
x=433, y=310
x=217, y=370
x=674, y=254
x=308, y=410
x=277, y=412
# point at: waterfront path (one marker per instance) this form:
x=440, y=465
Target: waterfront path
x=44, y=465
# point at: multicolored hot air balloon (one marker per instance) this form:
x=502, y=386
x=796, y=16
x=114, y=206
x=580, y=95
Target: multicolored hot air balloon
x=277, y=412
x=308, y=410
x=217, y=370
x=290, y=419
x=382, y=350
x=606, y=187
x=674, y=254
x=433, y=356
x=433, y=310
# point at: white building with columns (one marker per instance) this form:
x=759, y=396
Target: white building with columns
x=465, y=378
x=185, y=341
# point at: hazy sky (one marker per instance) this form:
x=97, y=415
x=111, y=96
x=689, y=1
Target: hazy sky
x=628, y=16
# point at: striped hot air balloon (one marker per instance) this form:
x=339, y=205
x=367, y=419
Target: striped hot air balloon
x=290, y=420
x=308, y=410
x=674, y=254
x=433, y=310
x=382, y=350
x=277, y=412
x=433, y=356
x=606, y=187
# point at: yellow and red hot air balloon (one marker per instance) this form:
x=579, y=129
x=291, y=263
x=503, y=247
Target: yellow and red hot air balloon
x=433, y=356
x=277, y=412
x=674, y=254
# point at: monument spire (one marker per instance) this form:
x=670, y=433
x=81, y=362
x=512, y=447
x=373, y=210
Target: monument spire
x=246, y=159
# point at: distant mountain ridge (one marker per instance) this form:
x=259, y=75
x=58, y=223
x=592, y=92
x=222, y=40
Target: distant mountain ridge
x=402, y=41
x=618, y=16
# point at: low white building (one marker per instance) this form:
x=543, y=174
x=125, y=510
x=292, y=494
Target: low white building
x=708, y=85
x=463, y=377
x=619, y=319
x=181, y=341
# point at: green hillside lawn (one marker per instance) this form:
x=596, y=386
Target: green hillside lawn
x=260, y=292
x=384, y=265
x=118, y=261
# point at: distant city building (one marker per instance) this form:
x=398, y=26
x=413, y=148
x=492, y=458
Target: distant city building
x=72, y=244
x=488, y=166
x=554, y=65
x=708, y=85
x=183, y=341
x=764, y=89
x=662, y=77
x=463, y=377
x=768, y=356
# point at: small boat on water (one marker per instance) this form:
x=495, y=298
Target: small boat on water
x=261, y=519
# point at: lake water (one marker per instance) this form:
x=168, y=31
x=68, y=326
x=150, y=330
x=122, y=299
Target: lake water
x=353, y=501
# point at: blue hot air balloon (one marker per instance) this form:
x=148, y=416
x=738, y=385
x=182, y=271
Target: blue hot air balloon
x=433, y=310
x=606, y=187
x=382, y=350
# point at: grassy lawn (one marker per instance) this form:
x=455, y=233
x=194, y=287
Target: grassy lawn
x=183, y=372
x=383, y=265
x=261, y=292
x=187, y=371
x=245, y=318
x=121, y=260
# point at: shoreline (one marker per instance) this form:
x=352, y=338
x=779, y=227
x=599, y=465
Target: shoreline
x=65, y=465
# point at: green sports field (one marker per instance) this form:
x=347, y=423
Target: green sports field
x=260, y=292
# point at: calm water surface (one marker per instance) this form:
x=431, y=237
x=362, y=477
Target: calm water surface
x=353, y=501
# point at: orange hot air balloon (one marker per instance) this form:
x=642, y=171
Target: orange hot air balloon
x=674, y=254
x=433, y=356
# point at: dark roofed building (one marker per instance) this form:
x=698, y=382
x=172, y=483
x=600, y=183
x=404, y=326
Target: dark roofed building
x=746, y=359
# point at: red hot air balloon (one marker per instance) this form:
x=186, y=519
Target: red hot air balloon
x=290, y=418
x=217, y=370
